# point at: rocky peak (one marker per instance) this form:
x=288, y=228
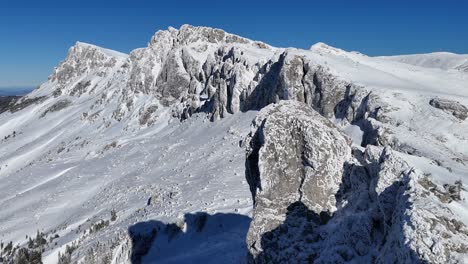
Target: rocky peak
x=321, y=47
x=188, y=34
x=81, y=52
x=85, y=58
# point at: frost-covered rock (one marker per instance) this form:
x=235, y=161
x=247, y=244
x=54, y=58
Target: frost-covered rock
x=198, y=69
x=294, y=155
x=317, y=201
x=84, y=59
x=455, y=108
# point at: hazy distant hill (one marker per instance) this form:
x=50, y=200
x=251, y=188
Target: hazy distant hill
x=7, y=91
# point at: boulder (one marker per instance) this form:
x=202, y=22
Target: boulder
x=453, y=107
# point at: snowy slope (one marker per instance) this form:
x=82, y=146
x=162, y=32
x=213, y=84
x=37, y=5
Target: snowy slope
x=132, y=133
x=439, y=60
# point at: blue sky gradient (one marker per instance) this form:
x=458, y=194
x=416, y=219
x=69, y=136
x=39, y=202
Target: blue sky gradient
x=35, y=35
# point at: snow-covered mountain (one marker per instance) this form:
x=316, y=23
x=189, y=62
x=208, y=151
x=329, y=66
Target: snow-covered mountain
x=140, y=158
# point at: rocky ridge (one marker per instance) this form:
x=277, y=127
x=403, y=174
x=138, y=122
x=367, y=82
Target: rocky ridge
x=316, y=200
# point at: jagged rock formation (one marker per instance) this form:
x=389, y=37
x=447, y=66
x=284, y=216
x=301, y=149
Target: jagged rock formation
x=197, y=69
x=316, y=201
x=293, y=155
x=83, y=60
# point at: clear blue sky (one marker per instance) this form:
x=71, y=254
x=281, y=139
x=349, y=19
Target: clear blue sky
x=35, y=35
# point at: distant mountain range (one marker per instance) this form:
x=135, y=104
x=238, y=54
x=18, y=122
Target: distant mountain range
x=11, y=91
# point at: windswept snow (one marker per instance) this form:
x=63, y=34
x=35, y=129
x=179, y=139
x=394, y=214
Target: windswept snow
x=438, y=60
x=108, y=52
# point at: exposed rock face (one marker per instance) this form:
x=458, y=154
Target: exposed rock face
x=316, y=201
x=59, y=105
x=19, y=103
x=222, y=77
x=84, y=59
x=455, y=108
x=198, y=69
x=5, y=102
x=294, y=155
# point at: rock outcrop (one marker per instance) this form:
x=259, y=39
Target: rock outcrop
x=452, y=107
x=84, y=60
x=294, y=156
x=5, y=102
x=318, y=201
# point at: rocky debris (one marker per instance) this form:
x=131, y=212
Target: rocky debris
x=452, y=107
x=371, y=208
x=146, y=115
x=24, y=102
x=57, y=106
x=80, y=88
x=110, y=146
x=450, y=192
x=453, y=190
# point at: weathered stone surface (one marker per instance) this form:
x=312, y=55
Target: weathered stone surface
x=173, y=81
x=453, y=107
x=80, y=88
x=318, y=201
x=293, y=155
x=82, y=58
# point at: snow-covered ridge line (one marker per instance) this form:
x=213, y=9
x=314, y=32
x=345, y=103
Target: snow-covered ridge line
x=187, y=34
x=439, y=60
x=105, y=50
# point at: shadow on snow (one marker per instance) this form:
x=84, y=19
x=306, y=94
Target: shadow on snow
x=199, y=238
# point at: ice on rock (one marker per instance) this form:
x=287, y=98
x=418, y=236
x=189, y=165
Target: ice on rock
x=316, y=200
